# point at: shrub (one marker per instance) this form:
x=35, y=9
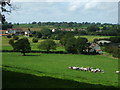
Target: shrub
x=9, y=36
x=30, y=35
x=34, y=40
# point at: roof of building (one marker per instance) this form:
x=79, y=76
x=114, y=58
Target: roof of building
x=3, y=30
x=104, y=41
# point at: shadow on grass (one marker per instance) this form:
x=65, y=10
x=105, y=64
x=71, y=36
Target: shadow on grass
x=21, y=80
x=28, y=55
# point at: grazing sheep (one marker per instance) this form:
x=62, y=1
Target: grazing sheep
x=74, y=68
x=93, y=70
x=90, y=69
x=117, y=71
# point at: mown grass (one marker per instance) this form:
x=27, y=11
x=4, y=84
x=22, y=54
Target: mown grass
x=56, y=66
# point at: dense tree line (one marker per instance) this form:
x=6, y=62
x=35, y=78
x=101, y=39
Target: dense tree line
x=113, y=50
x=74, y=45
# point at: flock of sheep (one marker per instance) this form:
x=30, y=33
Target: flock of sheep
x=90, y=69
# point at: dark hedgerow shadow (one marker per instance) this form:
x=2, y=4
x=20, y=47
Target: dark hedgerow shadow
x=29, y=55
x=21, y=80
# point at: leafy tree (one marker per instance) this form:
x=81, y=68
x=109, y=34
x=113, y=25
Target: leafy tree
x=81, y=44
x=22, y=45
x=47, y=45
x=38, y=34
x=74, y=45
x=34, y=22
x=11, y=42
x=46, y=32
x=92, y=28
x=70, y=45
x=5, y=6
x=65, y=38
x=115, y=39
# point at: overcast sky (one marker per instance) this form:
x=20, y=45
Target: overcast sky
x=67, y=11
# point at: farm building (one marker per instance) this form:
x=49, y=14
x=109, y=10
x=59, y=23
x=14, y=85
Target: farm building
x=94, y=48
x=16, y=31
x=3, y=32
x=103, y=42
x=27, y=33
x=53, y=30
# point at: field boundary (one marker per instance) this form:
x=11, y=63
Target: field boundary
x=54, y=52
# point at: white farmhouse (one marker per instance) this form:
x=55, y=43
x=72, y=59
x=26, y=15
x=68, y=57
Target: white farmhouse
x=53, y=30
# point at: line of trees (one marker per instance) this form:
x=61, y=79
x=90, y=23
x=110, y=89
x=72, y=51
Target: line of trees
x=71, y=44
x=74, y=45
x=113, y=50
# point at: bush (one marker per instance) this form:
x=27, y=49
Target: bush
x=30, y=35
x=9, y=36
x=15, y=37
x=34, y=40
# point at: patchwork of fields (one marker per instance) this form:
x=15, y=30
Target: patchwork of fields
x=6, y=46
x=52, y=69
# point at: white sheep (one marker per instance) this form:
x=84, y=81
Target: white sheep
x=117, y=71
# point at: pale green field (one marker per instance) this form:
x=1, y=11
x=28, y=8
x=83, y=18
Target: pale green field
x=91, y=38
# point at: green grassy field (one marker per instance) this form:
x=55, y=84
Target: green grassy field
x=56, y=66
x=91, y=38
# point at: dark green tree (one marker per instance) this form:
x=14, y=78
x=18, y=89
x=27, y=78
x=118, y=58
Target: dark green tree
x=92, y=28
x=115, y=39
x=70, y=45
x=38, y=34
x=64, y=39
x=22, y=45
x=81, y=44
x=46, y=33
x=11, y=42
x=47, y=45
